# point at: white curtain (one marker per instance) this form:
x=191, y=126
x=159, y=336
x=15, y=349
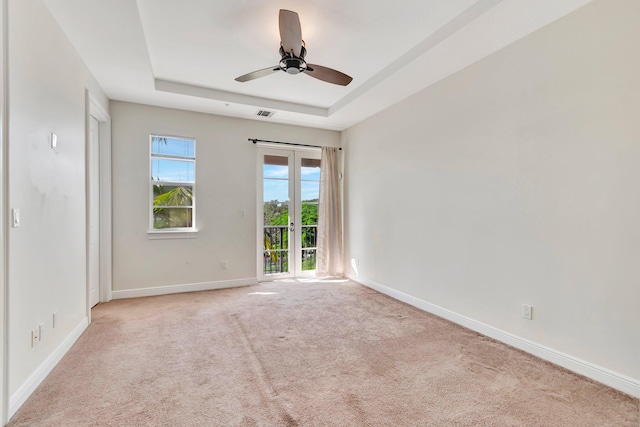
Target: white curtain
x=329, y=243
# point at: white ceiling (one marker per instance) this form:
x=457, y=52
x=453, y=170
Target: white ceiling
x=186, y=54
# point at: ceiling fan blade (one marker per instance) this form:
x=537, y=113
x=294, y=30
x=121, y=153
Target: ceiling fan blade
x=257, y=74
x=290, y=32
x=328, y=75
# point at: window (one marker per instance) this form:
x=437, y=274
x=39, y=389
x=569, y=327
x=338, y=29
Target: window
x=173, y=183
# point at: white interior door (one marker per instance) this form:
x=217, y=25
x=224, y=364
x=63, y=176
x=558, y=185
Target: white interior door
x=93, y=220
x=288, y=191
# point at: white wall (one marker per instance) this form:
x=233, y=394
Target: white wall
x=515, y=181
x=47, y=261
x=225, y=186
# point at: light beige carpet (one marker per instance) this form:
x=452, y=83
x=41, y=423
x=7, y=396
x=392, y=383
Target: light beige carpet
x=304, y=354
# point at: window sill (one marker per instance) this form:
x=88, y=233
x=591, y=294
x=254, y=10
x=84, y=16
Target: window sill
x=171, y=234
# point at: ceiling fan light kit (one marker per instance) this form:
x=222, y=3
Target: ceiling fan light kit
x=292, y=54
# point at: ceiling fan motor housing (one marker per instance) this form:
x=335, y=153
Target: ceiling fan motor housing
x=292, y=64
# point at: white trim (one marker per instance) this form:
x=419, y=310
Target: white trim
x=237, y=98
x=171, y=234
x=259, y=213
x=190, y=287
x=295, y=154
x=191, y=184
x=4, y=206
x=97, y=111
x=605, y=376
x=29, y=386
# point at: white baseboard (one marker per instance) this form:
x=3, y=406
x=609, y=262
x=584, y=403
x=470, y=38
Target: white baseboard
x=605, y=376
x=175, y=289
x=21, y=395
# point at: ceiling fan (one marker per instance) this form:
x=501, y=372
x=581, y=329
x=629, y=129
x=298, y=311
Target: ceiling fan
x=292, y=52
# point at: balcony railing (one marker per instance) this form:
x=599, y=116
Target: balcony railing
x=276, y=248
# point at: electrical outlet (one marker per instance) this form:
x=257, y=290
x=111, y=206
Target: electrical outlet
x=224, y=265
x=527, y=312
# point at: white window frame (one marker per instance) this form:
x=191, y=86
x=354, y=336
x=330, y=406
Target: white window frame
x=175, y=232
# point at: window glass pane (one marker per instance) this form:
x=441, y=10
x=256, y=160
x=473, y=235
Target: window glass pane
x=172, y=218
x=172, y=146
x=310, y=191
x=167, y=195
x=172, y=170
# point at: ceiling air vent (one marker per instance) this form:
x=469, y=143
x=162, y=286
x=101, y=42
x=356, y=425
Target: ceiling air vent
x=264, y=113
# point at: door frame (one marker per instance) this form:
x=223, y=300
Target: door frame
x=295, y=247
x=93, y=209
x=4, y=220
x=95, y=109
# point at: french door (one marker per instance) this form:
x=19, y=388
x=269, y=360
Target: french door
x=288, y=195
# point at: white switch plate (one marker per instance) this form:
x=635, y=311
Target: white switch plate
x=35, y=336
x=15, y=218
x=54, y=141
x=527, y=312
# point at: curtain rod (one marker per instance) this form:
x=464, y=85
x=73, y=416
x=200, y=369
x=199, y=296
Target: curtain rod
x=254, y=140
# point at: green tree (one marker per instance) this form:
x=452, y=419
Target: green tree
x=165, y=213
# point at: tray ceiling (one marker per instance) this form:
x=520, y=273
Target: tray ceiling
x=186, y=54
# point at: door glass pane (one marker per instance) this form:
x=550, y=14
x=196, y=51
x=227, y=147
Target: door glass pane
x=276, y=214
x=310, y=191
x=308, y=259
x=309, y=194
x=275, y=262
x=310, y=169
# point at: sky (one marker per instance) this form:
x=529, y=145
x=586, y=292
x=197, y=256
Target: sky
x=174, y=170
x=276, y=183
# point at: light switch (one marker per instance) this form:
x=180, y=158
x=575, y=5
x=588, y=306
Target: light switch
x=15, y=218
x=54, y=141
